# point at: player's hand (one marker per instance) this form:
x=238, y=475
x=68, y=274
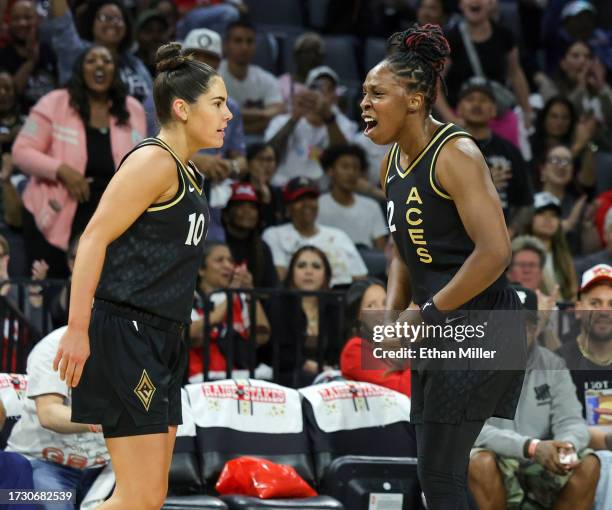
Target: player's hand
x=72, y=353
x=76, y=183
x=547, y=455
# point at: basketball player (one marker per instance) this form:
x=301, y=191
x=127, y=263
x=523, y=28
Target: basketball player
x=451, y=248
x=139, y=257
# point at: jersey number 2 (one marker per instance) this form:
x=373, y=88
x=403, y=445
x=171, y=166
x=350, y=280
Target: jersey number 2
x=390, y=210
x=196, y=230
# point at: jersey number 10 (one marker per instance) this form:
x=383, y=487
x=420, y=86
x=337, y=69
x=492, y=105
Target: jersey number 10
x=196, y=230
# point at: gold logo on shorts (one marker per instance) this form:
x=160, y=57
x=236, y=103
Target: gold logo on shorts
x=145, y=389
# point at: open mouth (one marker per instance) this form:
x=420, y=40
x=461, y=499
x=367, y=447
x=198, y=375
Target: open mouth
x=371, y=124
x=475, y=9
x=99, y=77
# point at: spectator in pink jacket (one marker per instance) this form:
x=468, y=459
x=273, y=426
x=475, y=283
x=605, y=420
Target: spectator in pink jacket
x=70, y=145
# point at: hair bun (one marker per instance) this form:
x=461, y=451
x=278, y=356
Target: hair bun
x=169, y=57
x=427, y=41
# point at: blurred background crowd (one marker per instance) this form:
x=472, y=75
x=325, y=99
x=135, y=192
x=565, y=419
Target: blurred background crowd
x=295, y=194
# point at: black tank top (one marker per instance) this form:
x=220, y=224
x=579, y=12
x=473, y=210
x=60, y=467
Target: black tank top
x=153, y=265
x=424, y=220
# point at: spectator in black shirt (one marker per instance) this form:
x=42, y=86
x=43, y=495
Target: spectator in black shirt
x=558, y=124
x=557, y=178
x=589, y=358
x=509, y=171
x=241, y=222
x=261, y=167
x=498, y=54
x=32, y=63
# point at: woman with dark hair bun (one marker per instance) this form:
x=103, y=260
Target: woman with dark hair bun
x=139, y=257
x=451, y=250
x=102, y=22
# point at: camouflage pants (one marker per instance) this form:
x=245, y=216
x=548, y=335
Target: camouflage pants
x=529, y=486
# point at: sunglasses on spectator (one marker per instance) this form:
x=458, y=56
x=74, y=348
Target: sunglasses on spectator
x=557, y=161
x=108, y=18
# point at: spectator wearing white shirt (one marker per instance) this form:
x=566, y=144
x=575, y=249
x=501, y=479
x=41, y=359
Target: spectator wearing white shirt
x=315, y=123
x=256, y=90
x=344, y=209
x=64, y=455
x=301, y=196
x=15, y=470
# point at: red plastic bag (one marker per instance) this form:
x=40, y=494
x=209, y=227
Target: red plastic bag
x=251, y=476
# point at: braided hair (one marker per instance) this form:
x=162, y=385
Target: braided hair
x=418, y=55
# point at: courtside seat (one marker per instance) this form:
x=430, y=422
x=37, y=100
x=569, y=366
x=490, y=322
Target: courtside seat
x=194, y=502
x=364, y=446
x=359, y=481
x=235, y=418
x=316, y=503
x=185, y=482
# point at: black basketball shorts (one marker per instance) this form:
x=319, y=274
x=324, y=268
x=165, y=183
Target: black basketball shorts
x=131, y=383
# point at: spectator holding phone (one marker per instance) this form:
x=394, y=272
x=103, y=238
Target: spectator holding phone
x=540, y=457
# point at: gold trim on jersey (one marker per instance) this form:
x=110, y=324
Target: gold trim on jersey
x=390, y=156
x=435, y=157
x=182, y=166
x=425, y=150
x=164, y=205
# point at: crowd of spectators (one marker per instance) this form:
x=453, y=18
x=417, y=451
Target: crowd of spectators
x=294, y=193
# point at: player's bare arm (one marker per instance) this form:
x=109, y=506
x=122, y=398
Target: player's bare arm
x=463, y=173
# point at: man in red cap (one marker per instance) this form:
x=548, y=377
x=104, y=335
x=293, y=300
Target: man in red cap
x=301, y=196
x=241, y=221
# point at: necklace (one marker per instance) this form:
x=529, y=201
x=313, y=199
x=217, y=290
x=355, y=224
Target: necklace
x=591, y=357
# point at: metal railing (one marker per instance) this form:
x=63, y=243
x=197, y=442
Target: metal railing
x=266, y=298
x=25, y=318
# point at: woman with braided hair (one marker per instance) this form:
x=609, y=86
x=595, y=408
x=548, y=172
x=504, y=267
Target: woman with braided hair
x=451, y=248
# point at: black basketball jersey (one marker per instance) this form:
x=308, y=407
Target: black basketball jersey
x=423, y=218
x=153, y=265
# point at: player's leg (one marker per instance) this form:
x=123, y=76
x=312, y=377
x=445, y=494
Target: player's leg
x=141, y=468
x=443, y=458
x=171, y=439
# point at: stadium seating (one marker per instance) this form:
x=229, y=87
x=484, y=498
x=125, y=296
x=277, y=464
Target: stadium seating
x=267, y=52
x=364, y=446
x=276, y=12
x=317, y=13
x=340, y=55
x=249, y=417
x=375, y=50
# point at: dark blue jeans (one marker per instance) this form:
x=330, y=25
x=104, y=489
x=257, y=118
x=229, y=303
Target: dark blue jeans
x=51, y=476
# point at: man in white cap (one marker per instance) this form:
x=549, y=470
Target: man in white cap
x=315, y=123
x=228, y=161
x=590, y=357
x=574, y=20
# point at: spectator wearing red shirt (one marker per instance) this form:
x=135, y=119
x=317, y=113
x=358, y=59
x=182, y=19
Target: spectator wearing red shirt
x=356, y=360
x=219, y=272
